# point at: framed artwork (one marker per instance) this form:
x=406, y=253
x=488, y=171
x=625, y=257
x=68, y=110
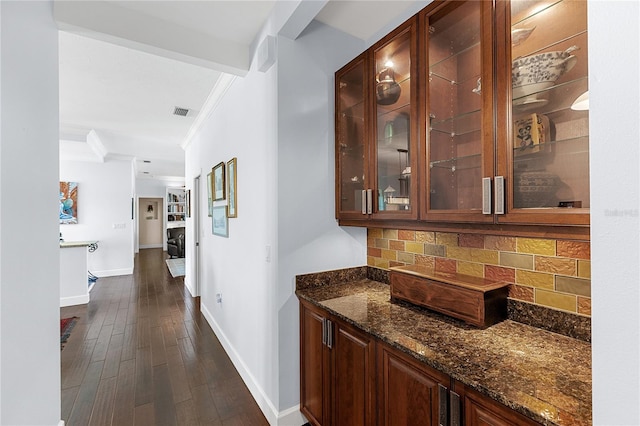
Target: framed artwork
x=218, y=182
x=68, y=209
x=232, y=183
x=188, y=202
x=209, y=192
x=219, y=221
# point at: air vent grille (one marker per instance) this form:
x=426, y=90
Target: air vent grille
x=180, y=111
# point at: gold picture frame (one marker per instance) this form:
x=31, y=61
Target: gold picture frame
x=232, y=185
x=218, y=179
x=209, y=193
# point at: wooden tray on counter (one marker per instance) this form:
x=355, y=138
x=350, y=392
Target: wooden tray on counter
x=477, y=301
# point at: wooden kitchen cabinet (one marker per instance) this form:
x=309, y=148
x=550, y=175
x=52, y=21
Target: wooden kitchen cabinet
x=348, y=377
x=457, y=109
x=510, y=146
x=479, y=410
x=489, y=125
x=376, y=130
x=337, y=370
x=409, y=392
x=542, y=111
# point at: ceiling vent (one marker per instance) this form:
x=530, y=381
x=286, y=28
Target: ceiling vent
x=180, y=111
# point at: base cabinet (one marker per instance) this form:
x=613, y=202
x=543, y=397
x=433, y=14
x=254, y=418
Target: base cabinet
x=348, y=377
x=337, y=371
x=408, y=391
x=480, y=410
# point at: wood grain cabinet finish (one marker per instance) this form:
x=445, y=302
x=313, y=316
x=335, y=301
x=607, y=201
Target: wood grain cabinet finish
x=314, y=366
x=337, y=377
x=353, y=374
x=350, y=378
x=480, y=410
x=408, y=391
x=376, y=143
x=477, y=136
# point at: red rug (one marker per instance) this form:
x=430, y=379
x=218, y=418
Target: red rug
x=66, y=325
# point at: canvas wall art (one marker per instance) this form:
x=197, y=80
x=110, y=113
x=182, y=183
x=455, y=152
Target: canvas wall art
x=68, y=203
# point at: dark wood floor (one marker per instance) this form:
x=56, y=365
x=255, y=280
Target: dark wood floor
x=143, y=354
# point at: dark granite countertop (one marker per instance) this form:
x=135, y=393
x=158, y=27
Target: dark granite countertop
x=543, y=375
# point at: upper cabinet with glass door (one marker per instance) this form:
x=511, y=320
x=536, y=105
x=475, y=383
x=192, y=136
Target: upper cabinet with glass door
x=544, y=96
x=352, y=169
x=458, y=114
x=395, y=137
x=376, y=131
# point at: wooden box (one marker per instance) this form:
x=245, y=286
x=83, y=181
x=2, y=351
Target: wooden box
x=477, y=301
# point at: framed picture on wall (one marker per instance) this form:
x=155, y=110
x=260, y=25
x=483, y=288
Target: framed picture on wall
x=68, y=209
x=218, y=182
x=232, y=203
x=209, y=193
x=219, y=221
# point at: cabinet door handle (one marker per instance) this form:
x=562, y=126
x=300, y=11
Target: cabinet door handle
x=363, y=201
x=369, y=201
x=324, y=331
x=455, y=408
x=443, y=414
x=329, y=334
x=486, y=195
x=499, y=194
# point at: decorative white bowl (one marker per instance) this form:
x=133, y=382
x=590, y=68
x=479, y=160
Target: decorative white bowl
x=531, y=74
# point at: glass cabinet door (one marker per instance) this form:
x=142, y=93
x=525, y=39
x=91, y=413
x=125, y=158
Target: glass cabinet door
x=351, y=137
x=459, y=95
x=547, y=140
x=395, y=141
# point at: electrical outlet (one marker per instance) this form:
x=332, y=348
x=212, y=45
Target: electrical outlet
x=219, y=297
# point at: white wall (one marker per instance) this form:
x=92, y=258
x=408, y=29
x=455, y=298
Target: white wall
x=104, y=213
x=309, y=238
x=614, y=92
x=242, y=126
x=29, y=262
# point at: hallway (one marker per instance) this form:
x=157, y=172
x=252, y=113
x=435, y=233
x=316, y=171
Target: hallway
x=141, y=353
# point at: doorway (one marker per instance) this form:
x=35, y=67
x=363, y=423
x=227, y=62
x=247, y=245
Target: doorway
x=196, y=236
x=150, y=222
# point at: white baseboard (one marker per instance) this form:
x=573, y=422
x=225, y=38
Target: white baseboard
x=74, y=300
x=289, y=417
x=187, y=284
x=146, y=246
x=113, y=272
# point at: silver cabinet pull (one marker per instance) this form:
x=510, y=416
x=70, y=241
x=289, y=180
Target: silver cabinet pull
x=443, y=415
x=499, y=194
x=363, y=201
x=369, y=201
x=329, y=334
x=324, y=331
x=486, y=195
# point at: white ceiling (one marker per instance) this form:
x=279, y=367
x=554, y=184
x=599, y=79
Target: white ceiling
x=121, y=78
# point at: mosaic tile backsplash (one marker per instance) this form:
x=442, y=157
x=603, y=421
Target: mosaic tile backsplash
x=546, y=272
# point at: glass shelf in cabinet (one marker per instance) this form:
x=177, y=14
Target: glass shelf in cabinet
x=467, y=122
x=545, y=6
x=525, y=154
x=383, y=113
x=552, y=96
x=458, y=163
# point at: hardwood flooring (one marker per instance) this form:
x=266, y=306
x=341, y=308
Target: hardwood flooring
x=141, y=353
